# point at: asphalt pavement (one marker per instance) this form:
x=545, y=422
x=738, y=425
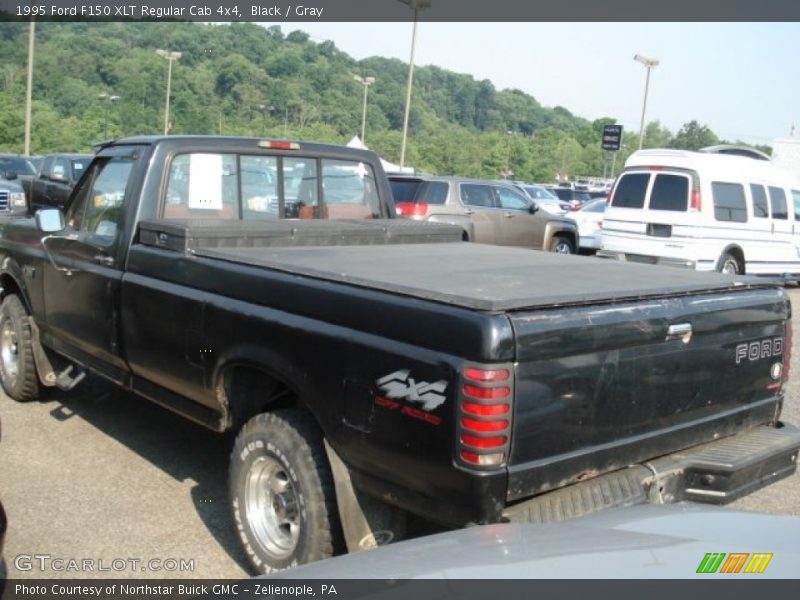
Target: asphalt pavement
x=100, y=483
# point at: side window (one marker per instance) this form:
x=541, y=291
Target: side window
x=729, y=202
x=630, y=191
x=300, y=194
x=511, y=200
x=349, y=190
x=796, y=202
x=47, y=167
x=777, y=201
x=98, y=208
x=670, y=192
x=760, y=207
x=475, y=194
x=259, y=181
x=202, y=186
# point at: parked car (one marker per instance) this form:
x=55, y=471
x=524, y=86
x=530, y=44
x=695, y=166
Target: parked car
x=544, y=198
x=490, y=212
x=53, y=182
x=589, y=218
x=705, y=211
x=12, y=193
x=575, y=198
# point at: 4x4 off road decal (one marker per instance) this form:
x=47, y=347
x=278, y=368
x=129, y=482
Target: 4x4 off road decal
x=399, y=386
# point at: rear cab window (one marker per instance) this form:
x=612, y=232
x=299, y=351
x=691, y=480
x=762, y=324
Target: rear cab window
x=263, y=187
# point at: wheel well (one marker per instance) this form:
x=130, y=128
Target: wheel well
x=570, y=235
x=250, y=391
x=9, y=286
x=737, y=253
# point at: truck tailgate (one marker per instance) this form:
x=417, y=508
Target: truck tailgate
x=602, y=387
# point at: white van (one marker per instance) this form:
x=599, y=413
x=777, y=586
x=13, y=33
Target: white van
x=710, y=212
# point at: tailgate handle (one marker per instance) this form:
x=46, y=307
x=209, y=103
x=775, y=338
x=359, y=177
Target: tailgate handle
x=680, y=331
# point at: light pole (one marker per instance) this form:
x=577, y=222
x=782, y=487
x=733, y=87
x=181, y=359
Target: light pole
x=29, y=89
x=508, y=171
x=170, y=57
x=649, y=63
x=108, y=100
x=366, y=82
x=417, y=5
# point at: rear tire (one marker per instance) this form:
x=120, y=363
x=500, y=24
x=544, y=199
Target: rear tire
x=281, y=491
x=17, y=367
x=729, y=265
x=562, y=245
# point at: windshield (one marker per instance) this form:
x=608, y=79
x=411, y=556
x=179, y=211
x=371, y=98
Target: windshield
x=17, y=164
x=79, y=166
x=540, y=193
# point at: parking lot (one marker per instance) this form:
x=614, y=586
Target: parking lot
x=113, y=482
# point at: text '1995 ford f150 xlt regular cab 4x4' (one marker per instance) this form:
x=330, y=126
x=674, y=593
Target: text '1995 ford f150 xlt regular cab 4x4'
x=375, y=367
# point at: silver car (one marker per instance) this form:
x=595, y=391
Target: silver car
x=490, y=212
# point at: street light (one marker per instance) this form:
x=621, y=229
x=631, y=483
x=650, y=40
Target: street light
x=366, y=82
x=508, y=170
x=29, y=89
x=417, y=5
x=170, y=57
x=649, y=63
x=109, y=100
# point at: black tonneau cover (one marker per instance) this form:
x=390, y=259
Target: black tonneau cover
x=390, y=257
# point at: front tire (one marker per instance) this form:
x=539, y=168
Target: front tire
x=17, y=367
x=562, y=245
x=281, y=491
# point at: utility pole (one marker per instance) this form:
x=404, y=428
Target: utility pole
x=170, y=57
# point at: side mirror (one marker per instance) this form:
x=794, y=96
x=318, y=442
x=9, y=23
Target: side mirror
x=50, y=220
x=533, y=209
x=10, y=175
x=60, y=177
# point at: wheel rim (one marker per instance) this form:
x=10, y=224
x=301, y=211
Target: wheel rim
x=563, y=248
x=9, y=350
x=729, y=267
x=272, y=508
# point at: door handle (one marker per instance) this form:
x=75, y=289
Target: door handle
x=468, y=211
x=680, y=331
x=104, y=260
x=508, y=215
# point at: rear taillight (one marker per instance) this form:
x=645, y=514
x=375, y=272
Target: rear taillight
x=694, y=202
x=411, y=209
x=484, y=428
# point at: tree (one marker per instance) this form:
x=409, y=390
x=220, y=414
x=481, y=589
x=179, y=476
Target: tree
x=693, y=136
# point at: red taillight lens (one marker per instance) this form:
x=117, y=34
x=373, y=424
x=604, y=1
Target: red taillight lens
x=484, y=442
x=484, y=375
x=656, y=168
x=476, y=425
x=694, y=201
x=486, y=413
x=489, y=393
x=411, y=209
x=485, y=410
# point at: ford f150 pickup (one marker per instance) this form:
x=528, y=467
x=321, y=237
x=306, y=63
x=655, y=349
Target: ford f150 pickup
x=375, y=367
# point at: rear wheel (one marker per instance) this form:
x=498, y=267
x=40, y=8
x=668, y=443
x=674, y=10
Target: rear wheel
x=562, y=245
x=282, y=493
x=729, y=265
x=17, y=366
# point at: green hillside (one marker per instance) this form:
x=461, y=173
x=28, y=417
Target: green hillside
x=243, y=79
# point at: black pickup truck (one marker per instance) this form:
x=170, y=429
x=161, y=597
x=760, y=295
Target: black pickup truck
x=375, y=367
x=54, y=180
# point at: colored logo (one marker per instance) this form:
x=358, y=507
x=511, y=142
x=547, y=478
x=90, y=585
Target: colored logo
x=734, y=562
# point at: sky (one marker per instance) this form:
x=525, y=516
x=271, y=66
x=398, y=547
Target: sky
x=742, y=80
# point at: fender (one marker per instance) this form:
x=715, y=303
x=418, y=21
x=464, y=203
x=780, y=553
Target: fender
x=10, y=269
x=553, y=228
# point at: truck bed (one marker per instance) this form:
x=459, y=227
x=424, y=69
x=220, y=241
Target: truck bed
x=397, y=256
